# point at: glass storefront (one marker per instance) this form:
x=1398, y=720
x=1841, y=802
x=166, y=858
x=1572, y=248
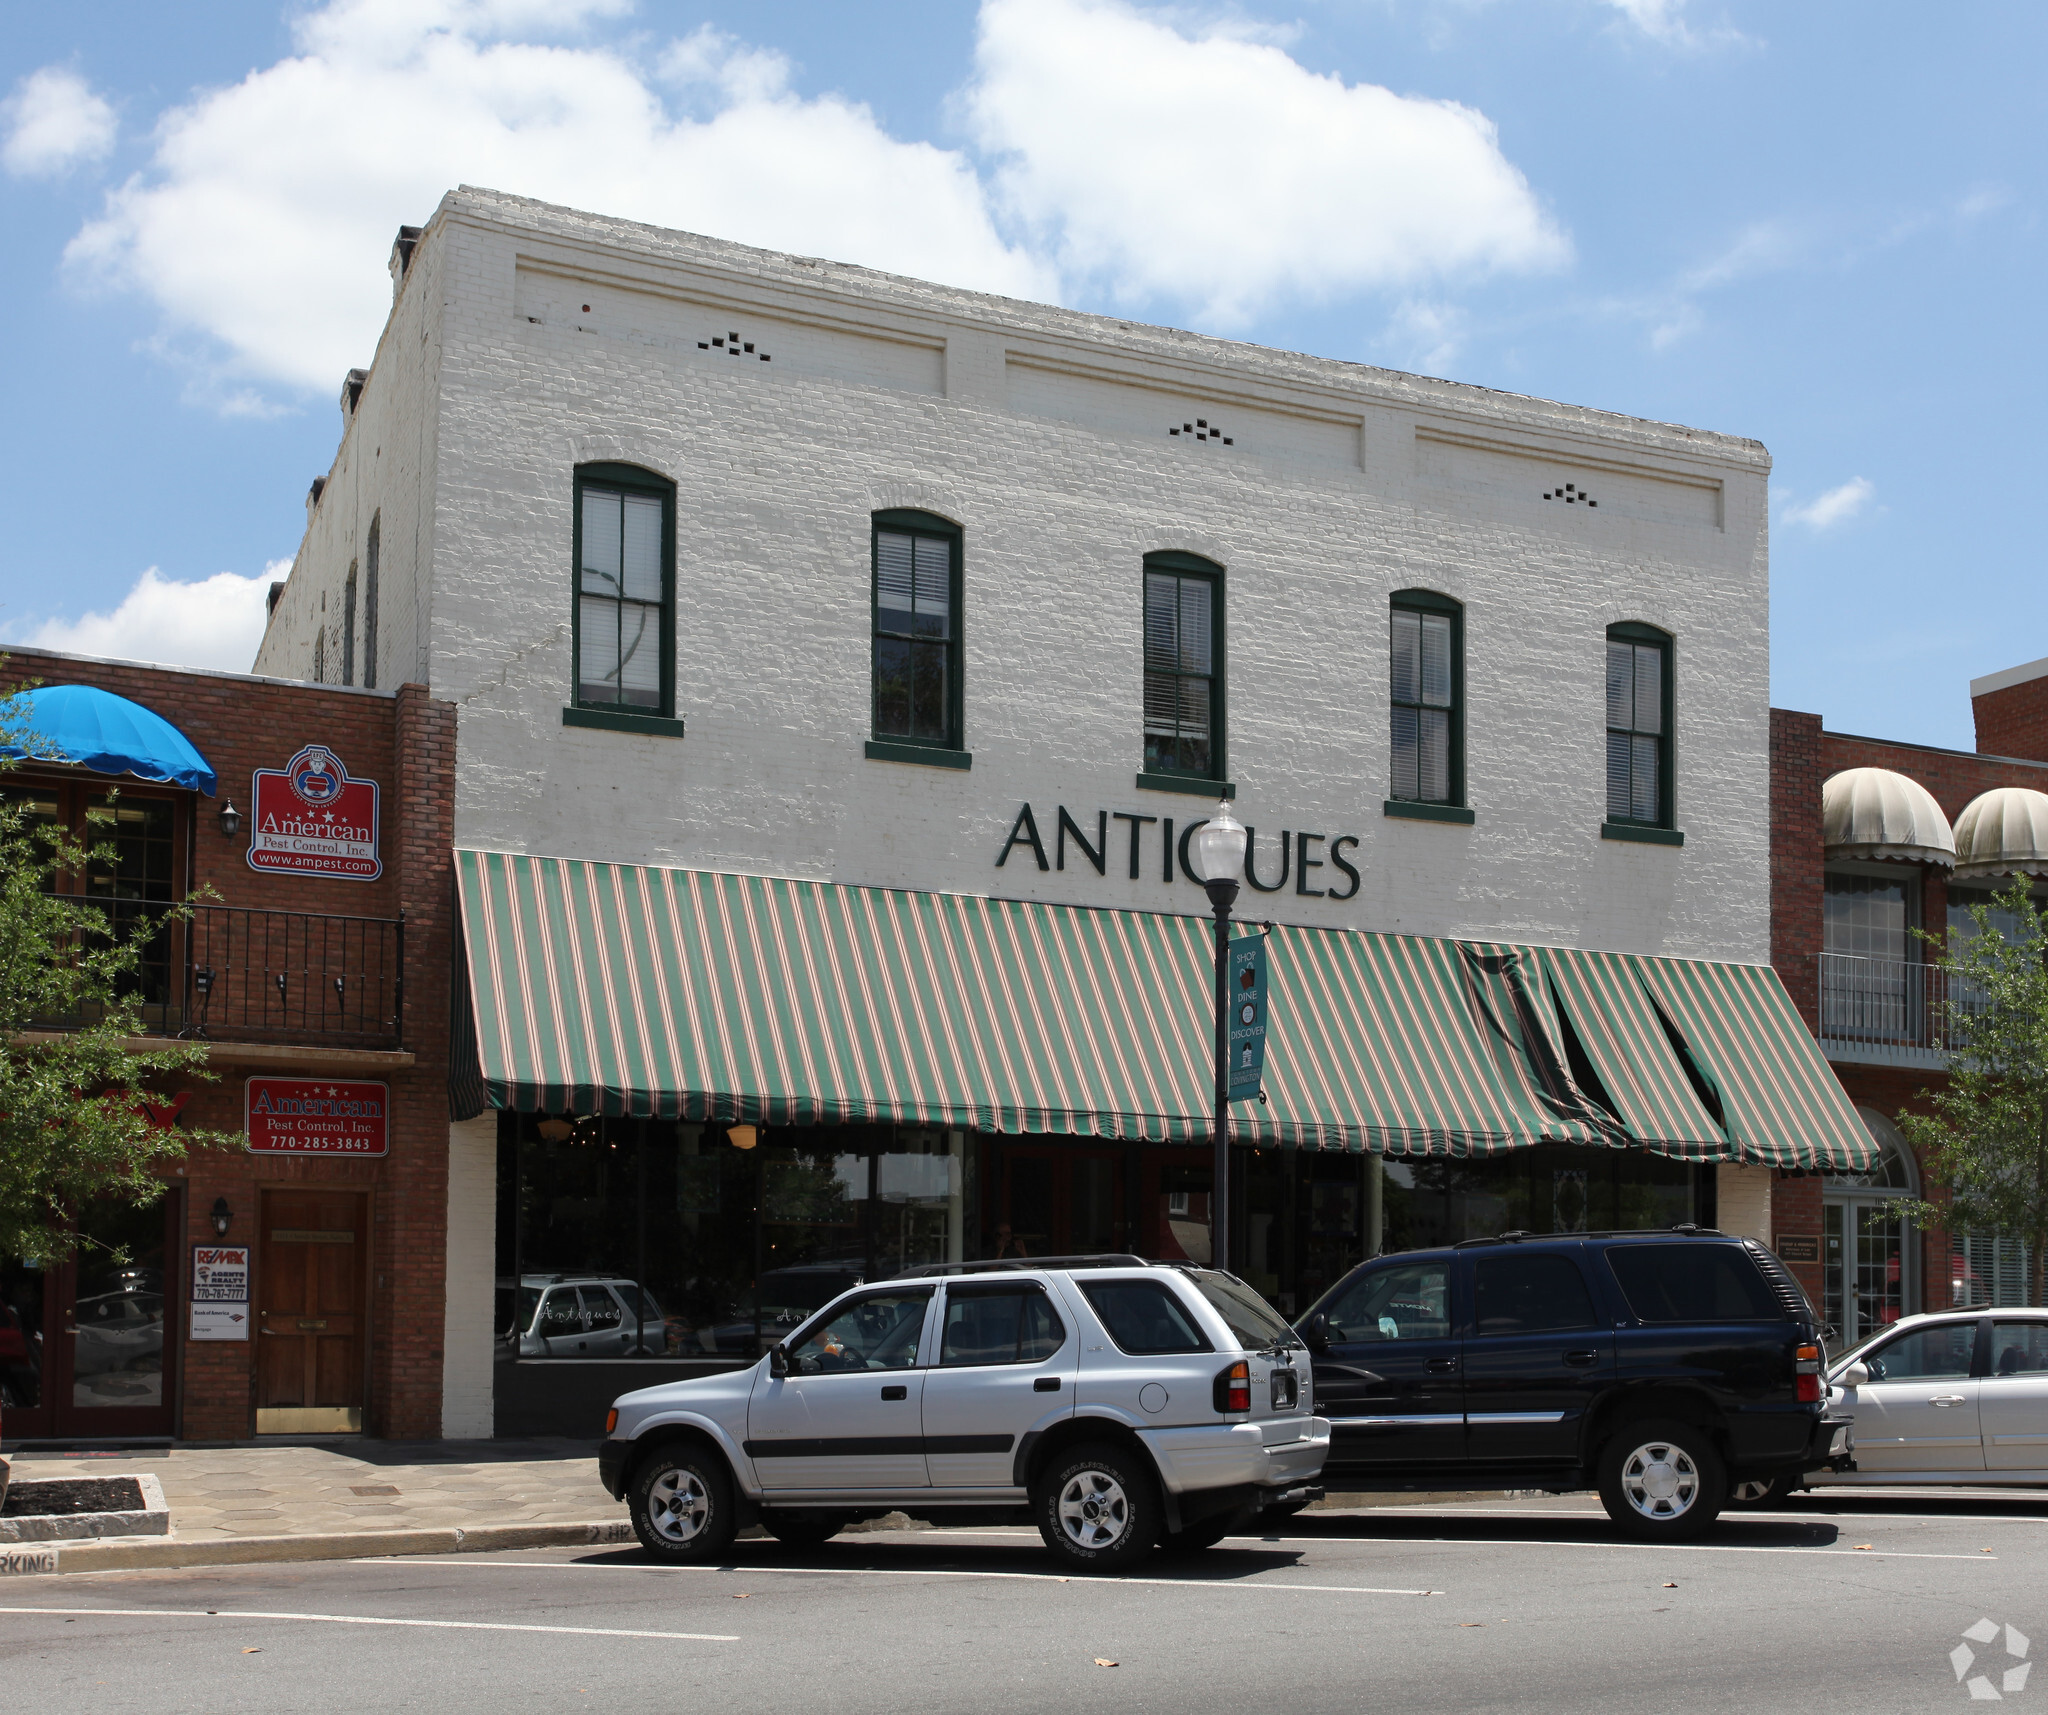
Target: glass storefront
x=704, y=1244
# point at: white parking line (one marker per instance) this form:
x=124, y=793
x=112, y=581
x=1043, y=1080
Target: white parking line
x=370, y=1620
x=1083, y=1578
x=1652, y=1547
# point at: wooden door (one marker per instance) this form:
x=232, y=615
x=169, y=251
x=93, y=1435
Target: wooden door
x=311, y=1270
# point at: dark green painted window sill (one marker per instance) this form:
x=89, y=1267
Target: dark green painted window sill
x=1414, y=811
x=618, y=720
x=1641, y=835
x=1192, y=785
x=930, y=755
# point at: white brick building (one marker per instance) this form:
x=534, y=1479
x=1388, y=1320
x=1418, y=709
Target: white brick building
x=790, y=401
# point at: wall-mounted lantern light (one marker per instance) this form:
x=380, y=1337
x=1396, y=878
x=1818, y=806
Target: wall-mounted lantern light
x=743, y=1136
x=223, y=1217
x=230, y=819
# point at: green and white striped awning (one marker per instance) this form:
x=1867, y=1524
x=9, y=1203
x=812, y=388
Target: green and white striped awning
x=627, y=990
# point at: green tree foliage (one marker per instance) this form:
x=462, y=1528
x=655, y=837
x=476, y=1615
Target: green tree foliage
x=1986, y=1140
x=72, y=1125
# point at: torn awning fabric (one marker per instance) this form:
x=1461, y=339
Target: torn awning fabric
x=685, y=994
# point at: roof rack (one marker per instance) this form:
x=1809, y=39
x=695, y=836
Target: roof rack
x=1689, y=1229
x=1009, y=1265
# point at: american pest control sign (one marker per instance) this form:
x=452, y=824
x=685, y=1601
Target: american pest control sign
x=316, y=1116
x=311, y=818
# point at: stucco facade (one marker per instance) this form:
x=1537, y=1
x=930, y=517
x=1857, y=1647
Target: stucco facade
x=526, y=340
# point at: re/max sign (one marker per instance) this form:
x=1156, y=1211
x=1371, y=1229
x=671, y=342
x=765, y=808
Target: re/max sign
x=1314, y=862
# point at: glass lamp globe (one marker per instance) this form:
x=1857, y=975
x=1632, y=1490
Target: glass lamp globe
x=1219, y=846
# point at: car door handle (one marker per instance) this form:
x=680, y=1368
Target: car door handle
x=1579, y=1360
x=1442, y=1366
x=896, y=1393
x=1945, y=1399
x=1046, y=1384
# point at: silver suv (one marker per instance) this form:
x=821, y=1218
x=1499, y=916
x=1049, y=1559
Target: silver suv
x=1117, y=1404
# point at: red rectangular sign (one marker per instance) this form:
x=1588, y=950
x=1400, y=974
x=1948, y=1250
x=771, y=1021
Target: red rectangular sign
x=316, y=1116
x=312, y=817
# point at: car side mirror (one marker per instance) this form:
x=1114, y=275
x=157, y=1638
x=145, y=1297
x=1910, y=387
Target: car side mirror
x=778, y=1359
x=1315, y=1333
x=1853, y=1375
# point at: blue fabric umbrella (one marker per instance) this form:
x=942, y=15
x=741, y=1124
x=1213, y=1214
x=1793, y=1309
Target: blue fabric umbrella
x=106, y=733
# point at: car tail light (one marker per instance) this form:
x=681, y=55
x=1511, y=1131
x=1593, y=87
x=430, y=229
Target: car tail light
x=1806, y=1367
x=1234, y=1387
x=611, y=1420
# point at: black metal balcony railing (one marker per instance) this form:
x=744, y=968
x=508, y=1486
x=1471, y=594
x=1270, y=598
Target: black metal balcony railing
x=293, y=976
x=1893, y=1009
x=231, y=973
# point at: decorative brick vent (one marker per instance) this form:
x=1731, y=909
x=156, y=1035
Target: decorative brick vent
x=731, y=345
x=1572, y=495
x=1202, y=429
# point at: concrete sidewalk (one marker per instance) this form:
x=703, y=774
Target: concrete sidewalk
x=338, y=1499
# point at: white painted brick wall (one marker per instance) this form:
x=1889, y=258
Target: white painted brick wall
x=468, y=1349
x=481, y=416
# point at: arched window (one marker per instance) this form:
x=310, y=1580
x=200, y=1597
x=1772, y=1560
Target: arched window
x=1183, y=669
x=348, y=626
x=1639, y=719
x=916, y=639
x=370, y=602
x=1426, y=699
x=625, y=591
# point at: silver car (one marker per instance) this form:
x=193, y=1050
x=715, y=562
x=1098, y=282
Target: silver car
x=1117, y=1404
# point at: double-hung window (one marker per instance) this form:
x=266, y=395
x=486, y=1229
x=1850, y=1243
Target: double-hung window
x=917, y=699
x=1183, y=667
x=625, y=591
x=1426, y=751
x=1638, y=726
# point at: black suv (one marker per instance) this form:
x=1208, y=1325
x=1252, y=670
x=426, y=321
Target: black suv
x=1662, y=1368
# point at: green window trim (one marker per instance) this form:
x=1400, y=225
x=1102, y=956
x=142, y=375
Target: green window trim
x=588, y=605
x=1170, y=716
x=623, y=720
x=1641, y=834
x=1416, y=810
x=1409, y=716
x=903, y=652
x=1645, y=737
x=1193, y=785
x=927, y=755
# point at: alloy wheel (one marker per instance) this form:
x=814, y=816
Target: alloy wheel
x=1660, y=1480
x=677, y=1505
x=1093, y=1510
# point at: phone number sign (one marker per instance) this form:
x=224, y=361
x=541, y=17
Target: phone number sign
x=316, y=1116
x=312, y=818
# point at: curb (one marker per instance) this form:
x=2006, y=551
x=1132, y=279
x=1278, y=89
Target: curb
x=133, y=1554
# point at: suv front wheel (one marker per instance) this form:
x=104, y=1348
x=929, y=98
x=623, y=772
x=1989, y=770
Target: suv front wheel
x=1098, y=1508
x=1662, y=1480
x=681, y=1504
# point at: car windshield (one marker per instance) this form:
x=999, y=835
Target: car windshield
x=1256, y=1323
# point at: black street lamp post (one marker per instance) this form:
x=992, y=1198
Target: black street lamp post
x=1219, y=852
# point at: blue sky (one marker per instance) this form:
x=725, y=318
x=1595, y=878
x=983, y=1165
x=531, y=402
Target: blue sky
x=1817, y=225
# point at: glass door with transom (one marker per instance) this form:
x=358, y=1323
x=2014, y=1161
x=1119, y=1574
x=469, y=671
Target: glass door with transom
x=1867, y=1241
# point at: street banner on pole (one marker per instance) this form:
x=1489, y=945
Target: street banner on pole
x=1248, y=999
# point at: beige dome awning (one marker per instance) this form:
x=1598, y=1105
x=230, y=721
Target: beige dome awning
x=1874, y=813
x=2003, y=832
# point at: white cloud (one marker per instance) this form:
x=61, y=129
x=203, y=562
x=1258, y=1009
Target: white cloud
x=1664, y=22
x=263, y=220
x=1836, y=506
x=53, y=122
x=1212, y=170
x=1206, y=172
x=216, y=622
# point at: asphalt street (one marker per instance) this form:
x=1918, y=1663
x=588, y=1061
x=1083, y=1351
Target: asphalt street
x=1845, y=1602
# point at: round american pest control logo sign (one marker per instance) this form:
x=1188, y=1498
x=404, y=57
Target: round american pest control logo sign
x=316, y=776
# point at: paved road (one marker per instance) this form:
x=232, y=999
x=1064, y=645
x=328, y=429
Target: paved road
x=1469, y=1608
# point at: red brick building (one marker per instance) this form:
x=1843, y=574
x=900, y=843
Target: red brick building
x=1871, y=841
x=322, y=999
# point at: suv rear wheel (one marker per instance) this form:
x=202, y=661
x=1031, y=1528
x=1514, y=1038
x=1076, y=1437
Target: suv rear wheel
x=681, y=1504
x=1662, y=1480
x=1767, y=1492
x=1098, y=1508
